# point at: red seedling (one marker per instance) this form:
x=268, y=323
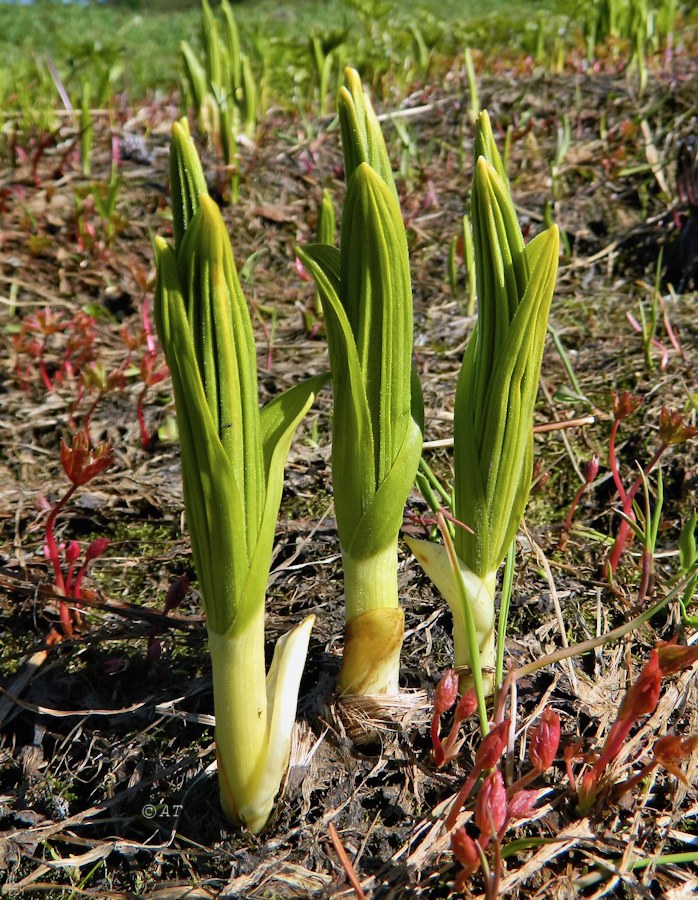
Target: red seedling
x=151, y=374
x=668, y=752
x=81, y=463
x=466, y=851
x=522, y=804
x=488, y=755
x=175, y=595
x=674, y=658
x=671, y=750
x=492, y=814
x=545, y=741
x=81, y=460
x=152, y=371
x=94, y=378
x=591, y=470
x=39, y=339
x=491, y=808
x=672, y=431
x=640, y=699
x=33, y=340
x=444, y=698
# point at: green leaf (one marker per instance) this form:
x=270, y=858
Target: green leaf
x=326, y=225
x=294, y=409
x=232, y=43
x=195, y=75
x=352, y=444
x=382, y=519
x=225, y=349
x=187, y=181
x=211, y=45
x=493, y=435
x=362, y=138
x=213, y=499
x=486, y=146
x=376, y=293
x=276, y=415
x=688, y=554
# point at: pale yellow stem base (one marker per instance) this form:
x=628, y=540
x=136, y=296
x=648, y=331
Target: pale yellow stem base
x=254, y=715
x=375, y=625
x=433, y=558
x=372, y=645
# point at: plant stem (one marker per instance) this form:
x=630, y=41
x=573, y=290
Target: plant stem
x=374, y=624
x=505, y=601
x=467, y=648
x=624, y=527
x=51, y=540
x=613, y=461
x=240, y=705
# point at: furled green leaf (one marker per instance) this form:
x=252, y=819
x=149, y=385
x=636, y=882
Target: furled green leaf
x=352, y=444
x=362, y=138
x=376, y=293
x=382, y=519
x=493, y=433
x=232, y=43
x=486, y=146
x=213, y=498
x=187, y=181
x=258, y=575
x=211, y=45
x=225, y=349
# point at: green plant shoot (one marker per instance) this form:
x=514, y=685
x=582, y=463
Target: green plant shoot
x=376, y=442
x=495, y=397
x=222, y=88
x=233, y=456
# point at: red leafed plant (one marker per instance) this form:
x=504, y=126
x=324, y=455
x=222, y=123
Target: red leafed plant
x=81, y=462
x=58, y=346
x=152, y=368
x=672, y=431
x=591, y=470
x=496, y=805
x=444, y=697
x=640, y=699
x=477, y=847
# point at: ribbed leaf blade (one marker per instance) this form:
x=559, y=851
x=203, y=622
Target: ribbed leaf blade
x=376, y=293
x=213, y=498
x=362, y=138
x=187, y=181
x=225, y=351
x=352, y=444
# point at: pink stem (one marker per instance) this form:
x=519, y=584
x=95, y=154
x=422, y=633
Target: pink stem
x=463, y=795
x=624, y=527
x=78, y=581
x=149, y=339
x=48, y=384
x=577, y=497
x=439, y=755
x=51, y=540
x=620, y=789
x=613, y=462
x=69, y=580
x=146, y=439
x=63, y=608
